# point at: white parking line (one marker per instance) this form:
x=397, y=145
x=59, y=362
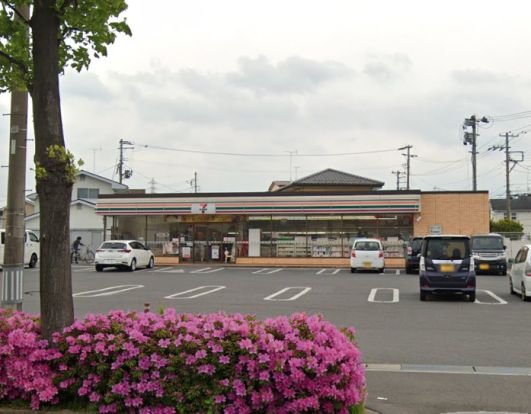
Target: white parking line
x=179, y=294
x=163, y=269
x=266, y=271
x=170, y=270
x=372, y=296
x=326, y=271
x=294, y=297
x=499, y=301
x=207, y=270
x=113, y=290
x=83, y=268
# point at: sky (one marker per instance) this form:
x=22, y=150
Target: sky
x=296, y=83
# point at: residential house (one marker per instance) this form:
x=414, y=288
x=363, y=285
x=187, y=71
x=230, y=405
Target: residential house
x=84, y=221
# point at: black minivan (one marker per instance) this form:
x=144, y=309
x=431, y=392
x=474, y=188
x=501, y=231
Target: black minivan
x=446, y=266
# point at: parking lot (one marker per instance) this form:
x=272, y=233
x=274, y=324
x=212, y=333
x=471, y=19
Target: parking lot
x=443, y=355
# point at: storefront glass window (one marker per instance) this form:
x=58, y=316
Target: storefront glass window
x=289, y=236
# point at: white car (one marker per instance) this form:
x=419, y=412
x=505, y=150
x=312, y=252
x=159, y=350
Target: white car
x=367, y=254
x=128, y=254
x=31, y=248
x=520, y=274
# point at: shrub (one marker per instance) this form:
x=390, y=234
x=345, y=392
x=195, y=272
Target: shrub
x=25, y=371
x=183, y=363
x=210, y=363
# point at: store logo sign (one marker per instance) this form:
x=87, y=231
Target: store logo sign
x=204, y=208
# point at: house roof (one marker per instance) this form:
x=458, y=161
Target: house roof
x=522, y=203
x=73, y=203
x=278, y=184
x=115, y=185
x=334, y=177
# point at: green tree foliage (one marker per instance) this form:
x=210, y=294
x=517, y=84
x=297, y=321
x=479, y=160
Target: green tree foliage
x=86, y=29
x=40, y=40
x=506, y=226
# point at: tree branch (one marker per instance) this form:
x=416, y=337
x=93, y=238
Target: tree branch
x=14, y=61
x=13, y=8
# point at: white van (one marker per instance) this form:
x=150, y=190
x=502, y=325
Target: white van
x=31, y=248
x=367, y=254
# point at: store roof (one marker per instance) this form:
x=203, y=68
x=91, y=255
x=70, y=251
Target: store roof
x=333, y=177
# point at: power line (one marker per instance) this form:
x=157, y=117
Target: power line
x=236, y=154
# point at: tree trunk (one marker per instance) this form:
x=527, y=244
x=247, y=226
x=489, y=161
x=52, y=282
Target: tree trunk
x=54, y=185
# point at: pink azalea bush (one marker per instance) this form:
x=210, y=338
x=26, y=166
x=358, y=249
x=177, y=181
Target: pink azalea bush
x=150, y=363
x=25, y=360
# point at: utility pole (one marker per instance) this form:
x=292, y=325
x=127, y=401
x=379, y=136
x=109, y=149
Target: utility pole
x=471, y=138
x=291, y=153
x=152, y=187
x=507, y=175
x=94, y=158
x=13, y=268
x=508, y=167
x=195, y=182
x=408, y=156
x=121, y=173
x=398, y=173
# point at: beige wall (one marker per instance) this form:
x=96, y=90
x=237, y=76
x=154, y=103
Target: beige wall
x=456, y=213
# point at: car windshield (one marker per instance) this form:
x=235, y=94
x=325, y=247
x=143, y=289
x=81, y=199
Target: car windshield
x=113, y=246
x=447, y=248
x=487, y=243
x=367, y=245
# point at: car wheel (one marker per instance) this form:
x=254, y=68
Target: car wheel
x=352, y=270
x=151, y=263
x=132, y=267
x=99, y=268
x=524, y=294
x=381, y=269
x=472, y=297
x=33, y=260
x=511, y=287
x=423, y=296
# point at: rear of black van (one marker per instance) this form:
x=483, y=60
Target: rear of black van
x=446, y=266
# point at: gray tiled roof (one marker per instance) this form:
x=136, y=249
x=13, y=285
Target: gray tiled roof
x=335, y=177
x=522, y=203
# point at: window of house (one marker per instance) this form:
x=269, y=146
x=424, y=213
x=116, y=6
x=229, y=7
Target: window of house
x=88, y=192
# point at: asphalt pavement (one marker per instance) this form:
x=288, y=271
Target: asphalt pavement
x=445, y=355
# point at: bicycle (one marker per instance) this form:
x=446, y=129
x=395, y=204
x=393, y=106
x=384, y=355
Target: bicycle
x=85, y=256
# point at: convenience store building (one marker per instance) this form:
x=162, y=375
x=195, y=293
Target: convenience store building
x=312, y=221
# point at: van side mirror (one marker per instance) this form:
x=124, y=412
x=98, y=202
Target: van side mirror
x=504, y=247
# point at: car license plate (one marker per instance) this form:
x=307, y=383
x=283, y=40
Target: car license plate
x=367, y=264
x=447, y=268
x=484, y=266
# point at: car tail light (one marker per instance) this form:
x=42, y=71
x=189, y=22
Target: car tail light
x=124, y=251
x=99, y=250
x=381, y=253
x=353, y=254
x=527, y=270
x=409, y=250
